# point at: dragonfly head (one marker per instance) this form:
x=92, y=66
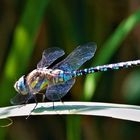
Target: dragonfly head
x=20, y=86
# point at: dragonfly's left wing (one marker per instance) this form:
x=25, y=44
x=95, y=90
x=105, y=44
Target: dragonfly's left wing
x=20, y=99
x=56, y=92
x=49, y=56
x=79, y=56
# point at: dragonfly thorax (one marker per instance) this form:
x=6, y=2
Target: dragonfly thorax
x=41, y=78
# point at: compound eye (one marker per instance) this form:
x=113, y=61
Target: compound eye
x=20, y=86
x=16, y=86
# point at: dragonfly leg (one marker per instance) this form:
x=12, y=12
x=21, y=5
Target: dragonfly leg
x=34, y=107
x=59, y=98
x=53, y=105
x=43, y=97
x=61, y=101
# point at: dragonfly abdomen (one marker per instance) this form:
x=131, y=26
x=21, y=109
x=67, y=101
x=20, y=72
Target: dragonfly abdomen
x=108, y=67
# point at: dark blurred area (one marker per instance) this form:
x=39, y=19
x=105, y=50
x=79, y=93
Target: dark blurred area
x=67, y=24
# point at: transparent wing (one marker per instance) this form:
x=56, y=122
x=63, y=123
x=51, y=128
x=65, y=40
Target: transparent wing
x=20, y=99
x=56, y=92
x=79, y=56
x=49, y=56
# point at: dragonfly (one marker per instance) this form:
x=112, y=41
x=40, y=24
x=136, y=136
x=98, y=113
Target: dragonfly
x=58, y=79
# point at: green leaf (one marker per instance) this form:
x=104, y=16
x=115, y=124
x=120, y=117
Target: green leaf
x=108, y=50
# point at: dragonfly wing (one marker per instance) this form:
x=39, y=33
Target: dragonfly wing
x=20, y=99
x=49, y=56
x=79, y=56
x=56, y=92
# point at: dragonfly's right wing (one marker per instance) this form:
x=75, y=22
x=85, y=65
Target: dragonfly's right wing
x=49, y=56
x=56, y=92
x=79, y=56
x=20, y=99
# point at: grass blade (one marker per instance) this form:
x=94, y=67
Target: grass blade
x=119, y=111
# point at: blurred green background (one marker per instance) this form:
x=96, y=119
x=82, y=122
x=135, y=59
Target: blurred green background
x=28, y=27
